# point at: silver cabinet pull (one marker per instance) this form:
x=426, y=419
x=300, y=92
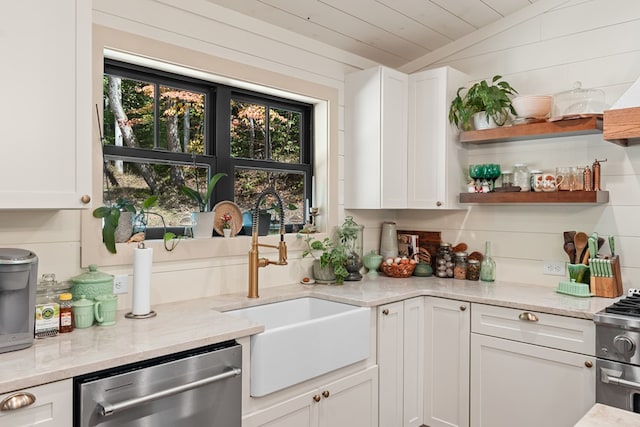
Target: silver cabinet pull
x=529, y=317
x=17, y=401
x=107, y=408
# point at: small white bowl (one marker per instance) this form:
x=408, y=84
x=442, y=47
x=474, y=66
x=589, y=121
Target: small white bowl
x=533, y=106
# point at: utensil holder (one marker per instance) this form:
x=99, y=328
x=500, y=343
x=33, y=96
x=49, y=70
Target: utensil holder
x=607, y=287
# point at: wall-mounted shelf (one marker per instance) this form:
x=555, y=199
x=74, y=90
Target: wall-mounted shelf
x=622, y=126
x=569, y=127
x=559, y=197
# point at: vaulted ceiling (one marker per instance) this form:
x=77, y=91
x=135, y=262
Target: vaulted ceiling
x=389, y=32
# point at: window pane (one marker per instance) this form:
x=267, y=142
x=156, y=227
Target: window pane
x=249, y=183
x=248, y=130
x=133, y=181
x=284, y=135
x=128, y=112
x=181, y=120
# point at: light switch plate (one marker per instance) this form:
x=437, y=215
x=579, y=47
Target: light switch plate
x=121, y=284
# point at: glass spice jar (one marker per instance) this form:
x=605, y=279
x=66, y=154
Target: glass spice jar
x=66, y=315
x=473, y=270
x=521, y=177
x=444, y=261
x=460, y=266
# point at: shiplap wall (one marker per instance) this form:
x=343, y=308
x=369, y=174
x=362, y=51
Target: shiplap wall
x=590, y=41
x=594, y=42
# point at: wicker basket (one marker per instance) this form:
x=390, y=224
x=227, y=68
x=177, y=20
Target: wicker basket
x=397, y=270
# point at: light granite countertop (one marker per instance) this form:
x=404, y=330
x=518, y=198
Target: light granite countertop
x=194, y=323
x=606, y=416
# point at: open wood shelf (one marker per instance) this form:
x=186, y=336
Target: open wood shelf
x=622, y=126
x=535, y=197
x=568, y=127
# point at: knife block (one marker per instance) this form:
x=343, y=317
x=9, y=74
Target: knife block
x=608, y=287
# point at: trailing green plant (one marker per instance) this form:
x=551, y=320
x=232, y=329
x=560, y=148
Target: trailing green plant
x=110, y=215
x=202, y=199
x=332, y=255
x=494, y=99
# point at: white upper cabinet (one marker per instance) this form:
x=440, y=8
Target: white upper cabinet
x=376, y=139
x=436, y=160
x=45, y=82
x=400, y=150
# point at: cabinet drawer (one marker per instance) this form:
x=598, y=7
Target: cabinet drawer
x=53, y=407
x=549, y=330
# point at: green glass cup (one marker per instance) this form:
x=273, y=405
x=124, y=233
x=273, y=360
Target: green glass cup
x=105, y=309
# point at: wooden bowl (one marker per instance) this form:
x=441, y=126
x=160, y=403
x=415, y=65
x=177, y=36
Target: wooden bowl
x=397, y=270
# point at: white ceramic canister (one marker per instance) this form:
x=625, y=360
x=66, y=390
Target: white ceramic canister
x=389, y=240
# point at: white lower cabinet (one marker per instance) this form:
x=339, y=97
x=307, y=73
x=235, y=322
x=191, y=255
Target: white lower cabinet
x=446, y=361
x=349, y=402
x=401, y=363
x=52, y=407
x=517, y=379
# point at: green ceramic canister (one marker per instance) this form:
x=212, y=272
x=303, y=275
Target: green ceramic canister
x=92, y=283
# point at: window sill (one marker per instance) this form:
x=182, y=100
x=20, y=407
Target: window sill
x=194, y=249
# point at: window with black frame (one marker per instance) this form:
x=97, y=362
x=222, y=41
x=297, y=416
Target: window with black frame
x=162, y=131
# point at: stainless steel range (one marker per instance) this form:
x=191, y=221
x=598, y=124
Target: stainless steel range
x=618, y=353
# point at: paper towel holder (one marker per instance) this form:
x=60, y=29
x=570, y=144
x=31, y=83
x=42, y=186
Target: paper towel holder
x=148, y=315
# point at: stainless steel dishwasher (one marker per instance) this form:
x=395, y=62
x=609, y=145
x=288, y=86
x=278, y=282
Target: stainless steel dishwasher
x=195, y=388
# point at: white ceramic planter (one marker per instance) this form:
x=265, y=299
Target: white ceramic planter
x=202, y=224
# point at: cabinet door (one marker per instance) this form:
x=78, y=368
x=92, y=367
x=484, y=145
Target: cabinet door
x=53, y=407
x=375, y=148
x=351, y=401
x=524, y=385
x=301, y=411
x=47, y=115
x=413, y=362
x=436, y=161
x=446, y=361
x=390, y=363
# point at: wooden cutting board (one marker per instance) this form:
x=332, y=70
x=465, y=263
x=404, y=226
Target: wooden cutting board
x=427, y=240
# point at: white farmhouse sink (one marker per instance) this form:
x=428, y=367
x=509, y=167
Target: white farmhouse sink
x=304, y=338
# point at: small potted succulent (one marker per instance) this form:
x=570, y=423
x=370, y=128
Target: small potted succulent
x=202, y=220
x=488, y=105
x=226, y=224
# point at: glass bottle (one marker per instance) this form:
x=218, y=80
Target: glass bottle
x=488, y=265
x=460, y=266
x=66, y=315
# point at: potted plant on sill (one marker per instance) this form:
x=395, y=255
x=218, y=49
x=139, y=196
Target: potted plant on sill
x=488, y=105
x=118, y=219
x=202, y=221
x=330, y=265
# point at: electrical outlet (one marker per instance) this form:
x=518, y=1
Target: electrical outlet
x=554, y=268
x=121, y=284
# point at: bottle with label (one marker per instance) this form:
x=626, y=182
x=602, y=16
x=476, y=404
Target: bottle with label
x=47, y=310
x=66, y=314
x=488, y=265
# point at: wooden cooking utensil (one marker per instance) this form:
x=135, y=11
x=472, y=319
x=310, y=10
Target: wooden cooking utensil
x=580, y=241
x=570, y=249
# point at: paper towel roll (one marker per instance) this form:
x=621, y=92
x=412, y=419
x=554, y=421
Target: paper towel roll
x=142, y=260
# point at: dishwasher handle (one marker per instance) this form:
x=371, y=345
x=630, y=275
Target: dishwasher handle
x=106, y=408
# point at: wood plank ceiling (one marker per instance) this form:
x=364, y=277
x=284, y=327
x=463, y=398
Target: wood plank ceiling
x=389, y=32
